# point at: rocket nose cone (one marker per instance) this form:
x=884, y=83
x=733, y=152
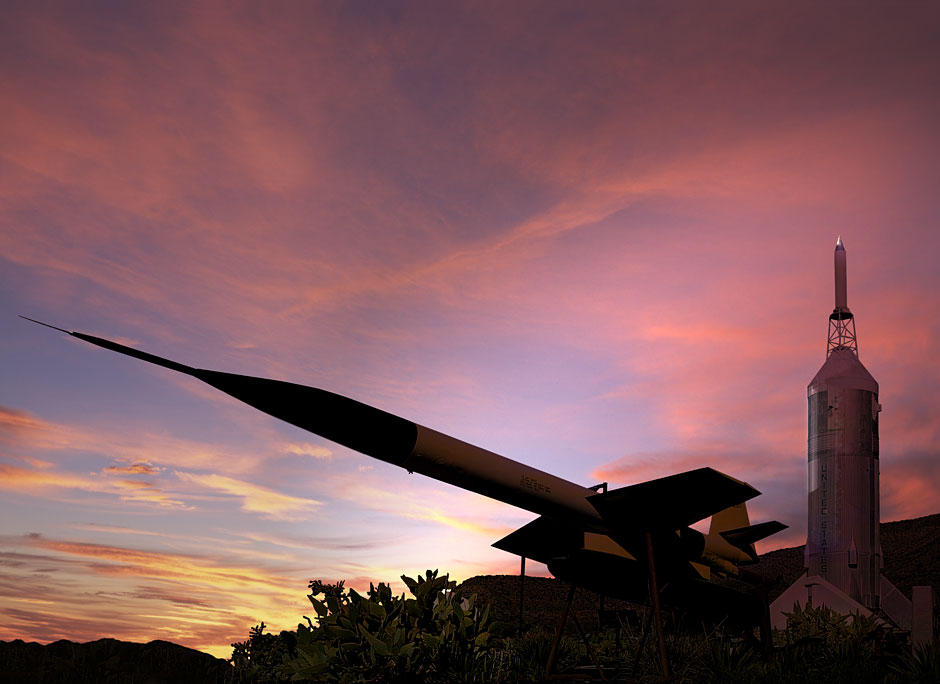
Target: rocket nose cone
x=839, y=245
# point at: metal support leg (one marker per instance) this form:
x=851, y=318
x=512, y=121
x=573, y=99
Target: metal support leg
x=766, y=629
x=587, y=645
x=639, y=648
x=619, y=628
x=657, y=610
x=762, y=592
x=521, y=595
x=558, y=633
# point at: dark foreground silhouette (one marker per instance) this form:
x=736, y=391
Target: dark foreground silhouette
x=640, y=534
x=912, y=557
x=109, y=661
x=912, y=550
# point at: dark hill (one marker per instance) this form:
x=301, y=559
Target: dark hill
x=109, y=661
x=911, y=549
x=544, y=599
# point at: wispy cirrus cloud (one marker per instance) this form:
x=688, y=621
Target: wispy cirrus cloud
x=138, y=468
x=48, y=482
x=304, y=449
x=27, y=435
x=255, y=498
x=428, y=501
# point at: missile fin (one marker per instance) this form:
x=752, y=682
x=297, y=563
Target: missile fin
x=542, y=540
x=744, y=538
x=753, y=533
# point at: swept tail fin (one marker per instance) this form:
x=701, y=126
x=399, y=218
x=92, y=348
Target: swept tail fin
x=731, y=518
x=747, y=536
x=732, y=526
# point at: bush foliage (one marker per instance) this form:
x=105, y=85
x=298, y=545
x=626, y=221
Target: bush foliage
x=438, y=635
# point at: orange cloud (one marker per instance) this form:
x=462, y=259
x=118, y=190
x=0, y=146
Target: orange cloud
x=204, y=602
x=304, y=449
x=31, y=432
x=13, y=422
x=255, y=498
x=39, y=482
x=432, y=502
x=26, y=431
x=138, y=468
x=112, y=560
x=20, y=479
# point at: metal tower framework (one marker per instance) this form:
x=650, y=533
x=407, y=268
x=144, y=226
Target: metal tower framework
x=841, y=331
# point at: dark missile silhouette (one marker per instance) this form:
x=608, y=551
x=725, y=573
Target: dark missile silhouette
x=598, y=539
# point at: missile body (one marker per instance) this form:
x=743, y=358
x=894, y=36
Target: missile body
x=408, y=445
x=392, y=439
x=593, y=539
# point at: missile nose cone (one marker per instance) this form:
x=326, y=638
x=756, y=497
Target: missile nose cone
x=839, y=245
x=33, y=320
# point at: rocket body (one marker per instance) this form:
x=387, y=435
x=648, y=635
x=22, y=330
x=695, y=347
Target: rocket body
x=843, y=542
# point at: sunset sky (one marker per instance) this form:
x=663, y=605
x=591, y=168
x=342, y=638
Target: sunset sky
x=593, y=237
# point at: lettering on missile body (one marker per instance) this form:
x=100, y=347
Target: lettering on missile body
x=534, y=485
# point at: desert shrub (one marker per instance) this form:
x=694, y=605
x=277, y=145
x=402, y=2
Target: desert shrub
x=730, y=663
x=257, y=659
x=822, y=624
x=441, y=635
x=438, y=635
x=919, y=666
x=523, y=658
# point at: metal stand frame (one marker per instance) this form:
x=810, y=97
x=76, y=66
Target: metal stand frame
x=639, y=648
x=766, y=629
x=550, y=665
x=521, y=596
x=762, y=591
x=656, y=608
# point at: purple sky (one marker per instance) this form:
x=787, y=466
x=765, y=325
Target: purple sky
x=596, y=238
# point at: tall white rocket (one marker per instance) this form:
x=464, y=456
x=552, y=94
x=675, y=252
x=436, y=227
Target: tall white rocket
x=843, y=542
